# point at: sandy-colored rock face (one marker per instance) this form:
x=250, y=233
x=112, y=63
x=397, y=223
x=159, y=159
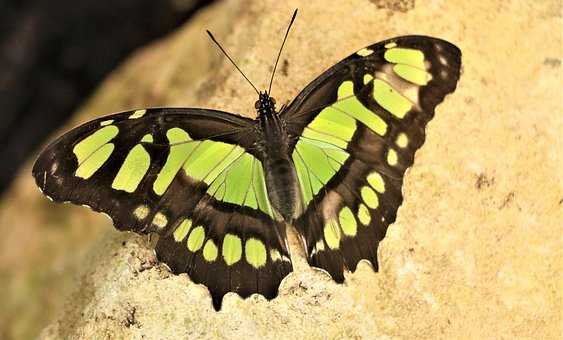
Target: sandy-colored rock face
x=476, y=248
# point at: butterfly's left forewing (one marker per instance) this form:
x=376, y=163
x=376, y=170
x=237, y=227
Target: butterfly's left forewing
x=189, y=175
x=355, y=130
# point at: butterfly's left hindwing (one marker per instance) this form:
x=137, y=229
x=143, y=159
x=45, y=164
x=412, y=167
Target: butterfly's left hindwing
x=189, y=175
x=356, y=129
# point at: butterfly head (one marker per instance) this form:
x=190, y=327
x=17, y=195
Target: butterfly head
x=265, y=104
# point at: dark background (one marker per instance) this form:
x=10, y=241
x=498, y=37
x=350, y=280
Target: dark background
x=53, y=53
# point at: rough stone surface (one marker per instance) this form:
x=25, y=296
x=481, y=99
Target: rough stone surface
x=476, y=251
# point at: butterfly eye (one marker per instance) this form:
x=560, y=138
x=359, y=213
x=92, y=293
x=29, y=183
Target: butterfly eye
x=257, y=104
x=273, y=101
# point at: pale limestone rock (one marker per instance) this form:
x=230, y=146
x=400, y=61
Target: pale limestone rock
x=476, y=248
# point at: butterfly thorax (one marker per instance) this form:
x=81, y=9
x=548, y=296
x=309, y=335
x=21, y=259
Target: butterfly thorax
x=280, y=175
x=265, y=105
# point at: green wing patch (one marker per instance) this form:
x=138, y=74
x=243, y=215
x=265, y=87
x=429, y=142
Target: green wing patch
x=316, y=163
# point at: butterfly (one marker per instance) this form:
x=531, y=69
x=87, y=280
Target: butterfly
x=220, y=189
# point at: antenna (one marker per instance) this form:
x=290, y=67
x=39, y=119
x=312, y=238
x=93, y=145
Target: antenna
x=281, y=48
x=227, y=55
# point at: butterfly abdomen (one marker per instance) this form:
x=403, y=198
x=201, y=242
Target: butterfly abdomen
x=280, y=175
x=283, y=188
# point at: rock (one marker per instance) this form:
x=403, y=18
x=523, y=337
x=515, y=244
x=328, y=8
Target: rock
x=476, y=248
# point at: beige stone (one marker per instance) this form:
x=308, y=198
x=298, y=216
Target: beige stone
x=476, y=248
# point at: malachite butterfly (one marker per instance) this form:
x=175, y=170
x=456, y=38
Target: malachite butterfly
x=219, y=188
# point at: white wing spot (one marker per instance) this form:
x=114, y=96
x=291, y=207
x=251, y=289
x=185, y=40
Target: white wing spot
x=443, y=60
x=392, y=157
x=364, y=52
x=141, y=212
x=275, y=255
x=391, y=45
x=106, y=122
x=402, y=140
x=137, y=114
x=160, y=220
x=319, y=246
